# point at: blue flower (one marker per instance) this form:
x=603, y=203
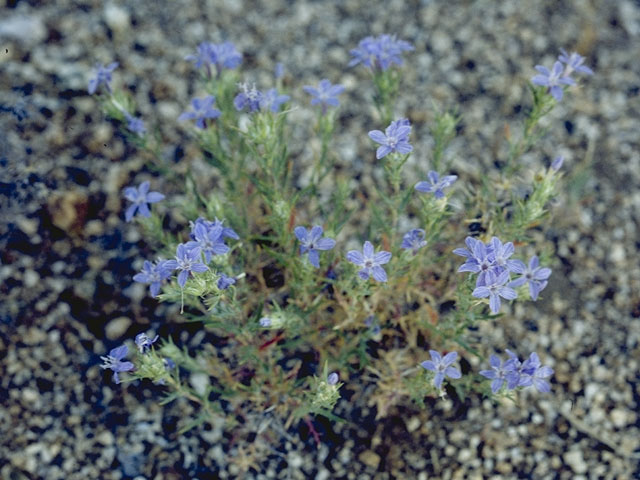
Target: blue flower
x=532, y=372
x=225, y=282
x=436, y=184
x=552, y=79
x=154, y=275
x=136, y=125
x=187, y=261
x=140, y=197
x=379, y=53
x=573, y=63
x=414, y=240
x=202, y=57
x=500, y=254
x=311, y=241
x=223, y=55
x=370, y=262
x=103, y=77
x=394, y=139
x=249, y=97
x=442, y=367
x=144, y=342
x=114, y=362
x=326, y=94
x=208, y=239
x=226, y=231
x=255, y=100
x=332, y=378
x=272, y=100
x=502, y=372
x=534, y=275
x=494, y=287
x=557, y=163
x=478, y=257
x=203, y=110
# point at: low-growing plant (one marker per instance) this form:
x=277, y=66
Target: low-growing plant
x=264, y=260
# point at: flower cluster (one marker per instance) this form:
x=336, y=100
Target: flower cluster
x=510, y=372
x=116, y=362
x=206, y=238
x=513, y=373
x=254, y=179
x=394, y=139
x=222, y=55
x=493, y=265
x=379, y=53
x=254, y=100
x=559, y=74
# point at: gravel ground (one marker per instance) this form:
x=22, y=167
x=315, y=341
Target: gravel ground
x=67, y=257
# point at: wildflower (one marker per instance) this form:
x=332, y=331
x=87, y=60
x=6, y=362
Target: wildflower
x=414, y=240
x=500, y=372
x=326, y=94
x=272, y=100
x=103, y=76
x=187, y=261
x=225, y=282
x=500, y=253
x=394, y=139
x=478, y=257
x=223, y=55
x=442, y=367
x=114, y=362
x=534, y=275
x=226, y=231
x=311, y=241
x=144, y=342
x=379, y=53
x=557, y=163
x=202, y=57
x=248, y=97
x=140, y=197
x=436, y=184
x=208, y=240
x=203, y=110
x=370, y=262
x=573, y=63
x=494, y=287
x=153, y=274
x=332, y=378
x=534, y=373
x=136, y=125
x=553, y=79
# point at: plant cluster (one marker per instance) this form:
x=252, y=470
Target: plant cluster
x=262, y=259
